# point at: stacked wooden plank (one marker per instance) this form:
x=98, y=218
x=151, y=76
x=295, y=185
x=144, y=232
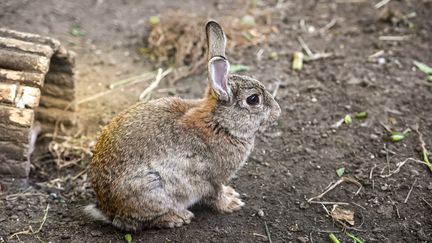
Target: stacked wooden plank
x=36, y=84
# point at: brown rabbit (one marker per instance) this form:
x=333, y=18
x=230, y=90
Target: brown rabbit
x=155, y=160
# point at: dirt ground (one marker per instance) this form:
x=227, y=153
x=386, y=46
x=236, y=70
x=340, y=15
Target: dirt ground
x=293, y=161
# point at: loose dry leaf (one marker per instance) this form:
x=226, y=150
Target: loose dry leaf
x=342, y=215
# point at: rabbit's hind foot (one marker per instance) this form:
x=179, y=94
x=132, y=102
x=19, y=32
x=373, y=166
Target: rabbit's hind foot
x=173, y=219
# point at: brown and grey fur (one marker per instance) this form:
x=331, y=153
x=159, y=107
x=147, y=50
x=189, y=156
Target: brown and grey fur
x=156, y=159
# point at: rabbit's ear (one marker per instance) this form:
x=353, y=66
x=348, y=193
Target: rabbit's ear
x=216, y=40
x=218, y=77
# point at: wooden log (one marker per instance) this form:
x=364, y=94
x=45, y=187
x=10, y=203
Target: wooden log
x=59, y=103
x=19, y=96
x=15, y=134
x=54, y=90
x=64, y=80
x=21, y=61
x=30, y=65
x=8, y=93
x=61, y=68
x=27, y=78
x=64, y=57
x=18, y=169
x=12, y=116
x=52, y=115
x=13, y=151
x=53, y=43
x=25, y=46
x=63, y=61
x=27, y=97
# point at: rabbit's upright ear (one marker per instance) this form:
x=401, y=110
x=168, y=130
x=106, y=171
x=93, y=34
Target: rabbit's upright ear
x=218, y=65
x=216, y=40
x=218, y=77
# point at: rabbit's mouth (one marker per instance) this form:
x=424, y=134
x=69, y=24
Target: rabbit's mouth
x=272, y=118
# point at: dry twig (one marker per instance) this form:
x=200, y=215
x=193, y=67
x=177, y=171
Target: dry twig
x=425, y=152
x=331, y=187
x=381, y=4
x=267, y=233
x=145, y=95
x=399, y=166
x=409, y=193
x=30, y=231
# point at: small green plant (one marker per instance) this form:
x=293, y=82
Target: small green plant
x=238, y=68
x=75, y=30
x=424, y=68
x=154, y=20
x=398, y=136
x=340, y=172
x=348, y=119
x=128, y=238
x=361, y=115
x=354, y=238
x=333, y=238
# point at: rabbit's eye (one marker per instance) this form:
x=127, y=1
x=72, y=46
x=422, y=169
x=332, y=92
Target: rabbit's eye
x=252, y=100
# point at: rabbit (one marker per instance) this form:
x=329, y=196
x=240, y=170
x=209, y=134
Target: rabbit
x=155, y=160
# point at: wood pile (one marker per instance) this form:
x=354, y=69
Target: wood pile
x=37, y=91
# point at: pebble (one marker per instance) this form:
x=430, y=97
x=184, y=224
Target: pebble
x=20, y=207
x=429, y=186
x=96, y=233
x=381, y=60
x=324, y=135
x=2, y=218
x=374, y=136
x=385, y=187
x=415, y=172
x=302, y=239
x=304, y=205
x=261, y=213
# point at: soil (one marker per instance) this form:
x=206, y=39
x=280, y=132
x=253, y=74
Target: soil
x=293, y=161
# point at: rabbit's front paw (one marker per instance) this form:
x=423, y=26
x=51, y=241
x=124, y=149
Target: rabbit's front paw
x=229, y=200
x=174, y=219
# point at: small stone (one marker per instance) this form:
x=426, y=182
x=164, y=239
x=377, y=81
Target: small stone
x=429, y=187
x=2, y=218
x=415, y=172
x=324, y=135
x=374, y=136
x=15, y=217
x=260, y=213
x=314, y=99
x=302, y=239
x=95, y=233
x=381, y=61
x=385, y=187
x=20, y=207
x=65, y=236
x=304, y=205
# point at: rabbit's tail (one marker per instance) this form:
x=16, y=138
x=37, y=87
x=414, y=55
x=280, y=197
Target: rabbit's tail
x=94, y=212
